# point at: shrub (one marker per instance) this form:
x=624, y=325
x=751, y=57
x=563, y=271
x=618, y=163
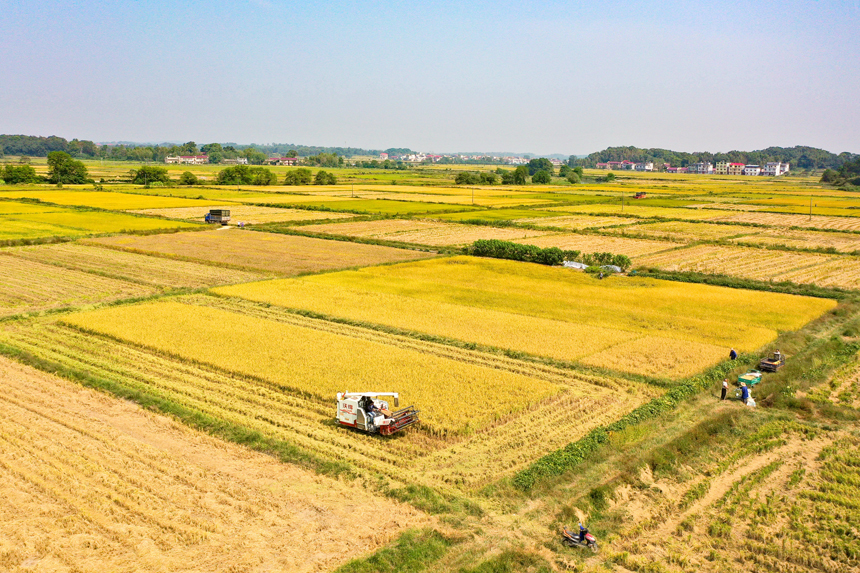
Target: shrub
x=188, y=178
x=325, y=178
x=244, y=175
x=149, y=174
x=542, y=177
x=300, y=176
x=467, y=178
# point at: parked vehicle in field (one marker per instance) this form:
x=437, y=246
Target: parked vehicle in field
x=751, y=378
x=218, y=216
x=366, y=412
x=574, y=539
x=773, y=362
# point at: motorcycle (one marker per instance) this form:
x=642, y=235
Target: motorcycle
x=571, y=539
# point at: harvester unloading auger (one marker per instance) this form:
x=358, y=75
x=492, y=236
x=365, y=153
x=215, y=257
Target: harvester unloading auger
x=365, y=412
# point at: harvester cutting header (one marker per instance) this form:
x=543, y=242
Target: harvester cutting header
x=364, y=411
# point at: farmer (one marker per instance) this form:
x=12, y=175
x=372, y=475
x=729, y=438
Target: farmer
x=733, y=354
x=745, y=392
x=725, y=389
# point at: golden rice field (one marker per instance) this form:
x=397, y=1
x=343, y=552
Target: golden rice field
x=685, y=231
x=18, y=208
x=600, y=243
x=781, y=220
x=93, y=222
x=841, y=242
x=266, y=252
x=249, y=214
x=132, y=267
x=527, y=308
x=104, y=199
x=261, y=404
x=645, y=211
x=578, y=222
x=17, y=230
x=423, y=232
x=319, y=363
x=29, y=286
x=758, y=264
x=91, y=483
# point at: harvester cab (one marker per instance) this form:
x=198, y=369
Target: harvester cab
x=365, y=411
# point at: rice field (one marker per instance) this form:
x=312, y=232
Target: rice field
x=263, y=252
x=248, y=214
x=779, y=220
x=423, y=232
x=634, y=210
x=463, y=462
x=839, y=242
x=30, y=286
x=527, y=308
x=578, y=222
x=141, y=269
x=687, y=232
x=319, y=363
x=94, y=222
x=91, y=483
x=18, y=208
x=104, y=199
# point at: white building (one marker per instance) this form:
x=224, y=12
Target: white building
x=752, y=170
x=189, y=159
x=701, y=168
x=775, y=169
x=237, y=161
x=644, y=166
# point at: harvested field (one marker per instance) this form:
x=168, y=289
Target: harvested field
x=686, y=232
x=91, y=483
x=780, y=220
x=249, y=214
x=760, y=264
x=142, y=269
x=600, y=243
x=319, y=363
x=578, y=222
x=464, y=462
x=268, y=252
x=28, y=286
x=841, y=242
x=423, y=232
x=646, y=211
x=522, y=307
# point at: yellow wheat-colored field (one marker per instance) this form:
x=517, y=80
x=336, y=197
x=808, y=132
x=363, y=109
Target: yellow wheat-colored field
x=248, y=214
x=28, y=286
x=91, y=483
x=686, y=231
x=133, y=267
x=283, y=254
x=546, y=311
x=788, y=220
x=416, y=456
x=104, y=199
x=320, y=363
x=578, y=222
x=423, y=232
x=842, y=242
x=691, y=214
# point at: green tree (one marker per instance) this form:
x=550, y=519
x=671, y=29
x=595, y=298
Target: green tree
x=14, y=174
x=467, y=178
x=292, y=153
x=540, y=164
x=521, y=175
x=254, y=157
x=188, y=178
x=244, y=175
x=489, y=178
x=63, y=169
x=564, y=170
x=542, y=177
x=149, y=174
x=325, y=178
x=300, y=176
x=573, y=177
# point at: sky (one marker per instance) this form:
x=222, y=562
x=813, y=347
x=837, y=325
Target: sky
x=445, y=76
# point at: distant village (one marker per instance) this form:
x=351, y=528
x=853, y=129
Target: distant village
x=771, y=169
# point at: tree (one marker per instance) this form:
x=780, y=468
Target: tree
x=564, y=170
x=63, y=169
x=300, y=176
x=325, y=178
x=188, y=178
x=521, y=174
x=540, y=164
x=149, y=174
x=574, y=177
x=14, y=174
x=467, y=178
x=292, y=153
x=254, y=157
x=244, y=175
x=489, y=178
x=542, y=177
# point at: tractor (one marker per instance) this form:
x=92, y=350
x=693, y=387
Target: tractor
x=772, y=363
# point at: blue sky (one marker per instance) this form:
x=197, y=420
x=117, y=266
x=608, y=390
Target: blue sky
x=540, y=77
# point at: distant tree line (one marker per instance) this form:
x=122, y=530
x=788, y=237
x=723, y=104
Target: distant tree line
x=540, y=171
x=847, y=174
x=800, y=157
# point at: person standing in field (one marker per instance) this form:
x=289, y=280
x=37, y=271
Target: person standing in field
x=745, y=392
x=725, y=389
x=733, y=354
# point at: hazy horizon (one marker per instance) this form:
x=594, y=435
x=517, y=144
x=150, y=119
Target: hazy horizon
x=550, y=78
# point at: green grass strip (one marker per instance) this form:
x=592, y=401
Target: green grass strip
x=413, y=551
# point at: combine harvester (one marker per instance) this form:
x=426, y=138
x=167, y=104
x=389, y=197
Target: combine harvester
x=363, y=411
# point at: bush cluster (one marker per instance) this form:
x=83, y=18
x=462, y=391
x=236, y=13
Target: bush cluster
x=244, y=175
x=550, y=256
x=469, y=178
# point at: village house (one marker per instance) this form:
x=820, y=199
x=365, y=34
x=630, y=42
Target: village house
x=283, y=161
x=775, y=169
x=237, y=161
x=189, y=159
x=752, y=170
x=644, y=166
x=704, y=168
x=736, y=169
